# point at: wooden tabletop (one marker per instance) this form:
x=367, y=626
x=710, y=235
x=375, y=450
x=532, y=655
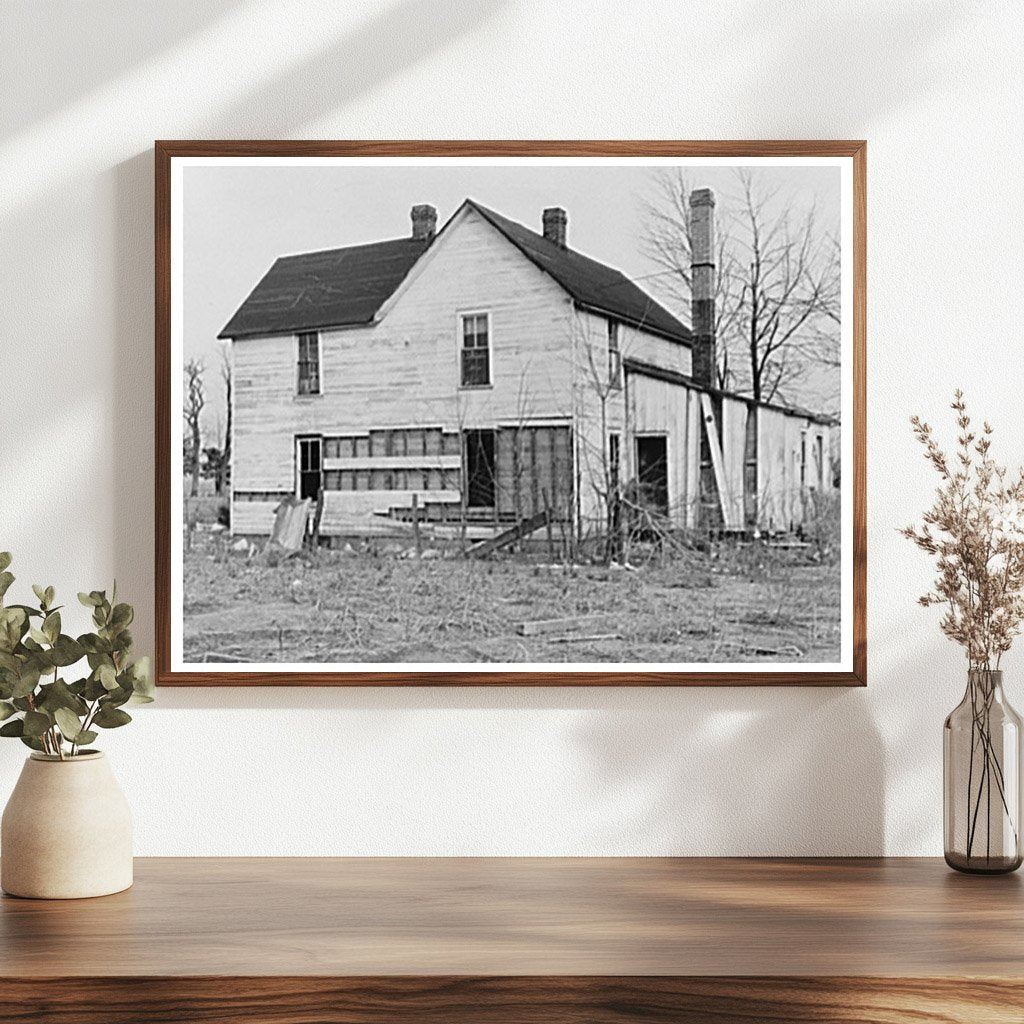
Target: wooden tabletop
x=510, y=917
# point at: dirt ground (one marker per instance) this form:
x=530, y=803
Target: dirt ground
x=745, y=605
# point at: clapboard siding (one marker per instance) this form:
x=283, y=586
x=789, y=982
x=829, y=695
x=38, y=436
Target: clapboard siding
x=252, y=518
x=599, y=410
x=782, y=495
x=654, y=349
x=657, y=407
x=405, y=369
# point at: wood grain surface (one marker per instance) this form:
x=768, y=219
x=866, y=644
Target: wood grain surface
x=284, y=941
x=166, y=150
x=558, y=1000
x=506, y=916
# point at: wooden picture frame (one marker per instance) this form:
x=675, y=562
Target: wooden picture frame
x=849, y=156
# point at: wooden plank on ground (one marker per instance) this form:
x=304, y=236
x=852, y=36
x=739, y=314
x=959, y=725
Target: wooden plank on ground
x=522, y=529
x=575, y=624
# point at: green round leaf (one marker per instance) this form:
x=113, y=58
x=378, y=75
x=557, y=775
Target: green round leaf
x=36, y=723
x=69, y=723
x=110, y=717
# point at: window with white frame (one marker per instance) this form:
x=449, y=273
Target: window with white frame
x=309, y=363
x=475, y=352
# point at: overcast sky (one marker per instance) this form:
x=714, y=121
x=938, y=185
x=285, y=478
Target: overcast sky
x=237, y=220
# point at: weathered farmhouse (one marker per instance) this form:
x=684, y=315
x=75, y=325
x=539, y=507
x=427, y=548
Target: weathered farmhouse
x=487, y=373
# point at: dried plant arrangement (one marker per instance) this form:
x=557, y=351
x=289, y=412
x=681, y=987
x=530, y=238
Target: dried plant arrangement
x=975, y=531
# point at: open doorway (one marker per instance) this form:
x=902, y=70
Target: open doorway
x=479, y=462
x=311, y=464
x=652, y=473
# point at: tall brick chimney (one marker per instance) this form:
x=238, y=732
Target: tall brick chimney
x=702, y=286
x=424, y=222
x=555, y=222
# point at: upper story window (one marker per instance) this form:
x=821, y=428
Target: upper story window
x=475, y=354
x=614, y=355
x=309, y=363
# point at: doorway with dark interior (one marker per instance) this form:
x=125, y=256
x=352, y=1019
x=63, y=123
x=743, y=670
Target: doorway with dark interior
x=311, y=465
x=652, y=473
x=479, y=462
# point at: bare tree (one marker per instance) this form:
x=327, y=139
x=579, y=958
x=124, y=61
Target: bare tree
x=224, y=474
x=777, y=283
x=195, y=399
x=668, y=241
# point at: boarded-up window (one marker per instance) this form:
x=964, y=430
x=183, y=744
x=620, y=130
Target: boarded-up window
x=534, y=470
x=476, y=350
x=309, y=363
x=414, y=442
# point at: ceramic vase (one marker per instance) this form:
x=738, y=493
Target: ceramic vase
x=66, y=831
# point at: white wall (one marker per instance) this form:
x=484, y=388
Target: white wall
x=936, y=88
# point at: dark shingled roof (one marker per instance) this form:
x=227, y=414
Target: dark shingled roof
x=590, y=283
x=333, y=288
x=340, y=287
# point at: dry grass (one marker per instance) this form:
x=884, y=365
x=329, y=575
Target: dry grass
x=746, y=605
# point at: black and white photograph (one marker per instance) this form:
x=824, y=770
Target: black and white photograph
x=511, y=413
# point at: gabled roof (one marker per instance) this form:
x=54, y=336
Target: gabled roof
x=345, y=287
x=332, y=288
x=591, y=284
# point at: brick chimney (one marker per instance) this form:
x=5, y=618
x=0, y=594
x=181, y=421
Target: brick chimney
x=424, y=222
x=555, y=222
x=702, y=286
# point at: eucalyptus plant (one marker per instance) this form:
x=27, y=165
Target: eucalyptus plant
x=37, y=704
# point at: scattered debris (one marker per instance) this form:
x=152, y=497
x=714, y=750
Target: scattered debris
x=787, y=650
x=290, y=519
x=522, y=529
x=241, y=545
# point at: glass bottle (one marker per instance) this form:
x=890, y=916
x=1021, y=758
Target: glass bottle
x=981, y=772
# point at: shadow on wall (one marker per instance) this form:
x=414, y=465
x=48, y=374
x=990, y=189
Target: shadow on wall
x=748, y=772
x=687, y=772
x=88, y=29
x=814, y=60
x=387, y=44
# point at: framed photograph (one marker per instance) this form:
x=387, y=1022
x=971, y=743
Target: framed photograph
x=493, y=413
